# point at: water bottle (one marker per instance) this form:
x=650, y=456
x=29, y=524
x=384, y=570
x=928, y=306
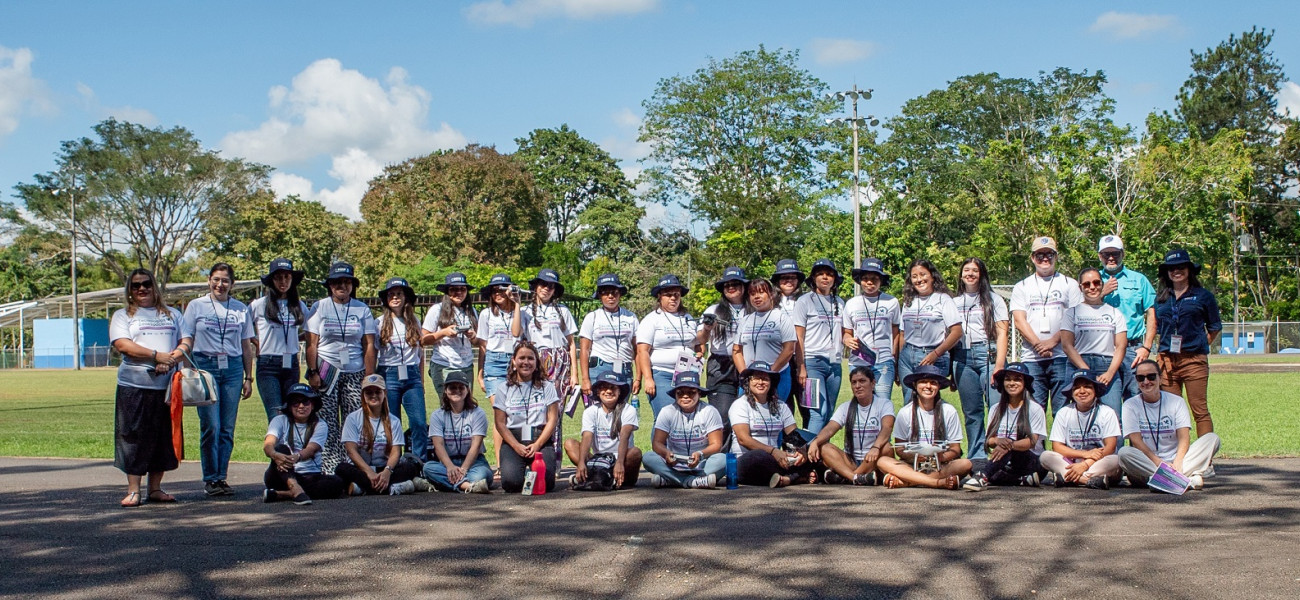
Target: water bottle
x=539, y=467
x=733, y=478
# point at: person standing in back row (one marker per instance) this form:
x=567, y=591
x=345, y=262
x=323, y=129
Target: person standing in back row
x=665, y=339
x=1038, y=302
x=870, y=327
x=608, y=338
x=788, y=281
x=341, y=342
x=1189, y=323
x=277, y=318
x=1131, y=294
x=450, y=328
x=718, y=328
x=819, y=340
x=931, y=324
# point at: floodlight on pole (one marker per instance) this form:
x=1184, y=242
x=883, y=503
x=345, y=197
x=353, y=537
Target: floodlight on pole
x=855, y=122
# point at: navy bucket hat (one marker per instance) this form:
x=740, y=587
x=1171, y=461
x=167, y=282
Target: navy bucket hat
x=548, y=276
x=667, y=282
x=872, y=265
x=451, y=280
x=281, y=264
x=342, y=270
x=788, y=266
x=728, y=275
x=608, y=280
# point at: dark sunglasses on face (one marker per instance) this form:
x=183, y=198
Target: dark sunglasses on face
x=299, y=401
x=142, y=285
x=1044, y=255
x=1090, y=284
x=1150, y=377
x=1109, y=255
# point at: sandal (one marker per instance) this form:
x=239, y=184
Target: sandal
x=161, y=497
x=952, y=482
x=132, y=500
x=893, y=482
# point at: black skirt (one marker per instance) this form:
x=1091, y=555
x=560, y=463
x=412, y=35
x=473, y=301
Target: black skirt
x=142, y=432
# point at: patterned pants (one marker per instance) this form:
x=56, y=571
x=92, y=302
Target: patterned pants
x=556, y=365
x=335, y=408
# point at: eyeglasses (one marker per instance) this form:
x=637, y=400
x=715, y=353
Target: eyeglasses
x=142, y=285
x=1150, y=377
x=1090, y=284
x=670, y=294
x=609, y=291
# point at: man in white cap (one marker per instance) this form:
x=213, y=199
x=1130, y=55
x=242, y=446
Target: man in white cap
x=1037, y=304
x=1131, y=293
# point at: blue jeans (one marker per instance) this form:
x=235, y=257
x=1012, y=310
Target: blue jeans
x=909, y=358
x=494, y=370
x=820, y=367
x=660, y=399
x=1113, y=395
x=435, y=472
x=217, y=421
x=885, y=372
x=783, y=389
x=1049, y=377
x=977, y=394
x=714, y=465
x=409, y=394
x=273, y=382
x=438, y=374
x=1129, y=384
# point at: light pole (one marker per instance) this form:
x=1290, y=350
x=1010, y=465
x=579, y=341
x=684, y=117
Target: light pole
x=71, y=191
x=855, y=121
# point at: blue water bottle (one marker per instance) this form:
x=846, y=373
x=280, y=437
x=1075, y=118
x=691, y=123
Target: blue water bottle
x=733, y=479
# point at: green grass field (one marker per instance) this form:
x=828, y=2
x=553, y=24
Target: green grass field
x=70, y=414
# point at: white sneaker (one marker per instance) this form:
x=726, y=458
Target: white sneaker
x=480, y=487
x=355, y=490
x=1208, y=472
x=656, y=481
x=705, y=482
x=1198, y=481
x=405, y=487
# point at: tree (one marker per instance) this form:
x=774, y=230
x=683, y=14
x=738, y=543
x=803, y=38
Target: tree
x=573, y=172
x=610, y=228
x=738, y=144
x=260, y=228
x=143, y=196
x=473, y=204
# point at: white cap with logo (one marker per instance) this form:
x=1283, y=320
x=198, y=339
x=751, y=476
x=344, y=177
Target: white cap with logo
x=1110, y=242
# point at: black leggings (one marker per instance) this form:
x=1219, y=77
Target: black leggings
x=1011, y=467
x=756, y=467
x=318, y=486
x=514, y=468
x=408, y=468
x=723, y=388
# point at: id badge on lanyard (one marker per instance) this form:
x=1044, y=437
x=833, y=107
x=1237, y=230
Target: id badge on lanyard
x=286, y=361
x=401, y=371
x=618, y=365
x=290, y=349
x=223, y=362
x=1175, y=343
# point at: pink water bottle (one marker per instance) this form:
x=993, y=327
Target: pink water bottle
x=539, y=467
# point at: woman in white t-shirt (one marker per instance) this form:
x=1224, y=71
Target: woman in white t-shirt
x=664, y=339
x=1015, y=435
x=982, y=351
x=687, y=440
x=1158, y=427
x=817, y=318
x=526, y=413
x=278, y=318
x=605, y=454
x=769, y=450
x=717, y=331
x=500, y=326
x=871, y=327
x=787, y=283
x=927, y=437
x=867, y=425
x=1094, y=336
x=373, y=439
x=401, y=360
x=930, y=322
x=1084, y=436
x=766, y=335
x=340, y=352
x=147, y=335
x=220, y=328
x=456, y=433
x=294, y=440
x=608, y=338
x=552, y=330
x=450, y=329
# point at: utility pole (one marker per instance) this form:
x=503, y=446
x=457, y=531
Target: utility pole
x=855, y=122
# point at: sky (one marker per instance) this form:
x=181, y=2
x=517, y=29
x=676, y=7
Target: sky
x=328, y=93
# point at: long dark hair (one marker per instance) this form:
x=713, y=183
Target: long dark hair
x=909, y=292
x=512, y=375
x=940, y=428
x=158, y=304
x=1004, y=404
x=447, y=312
x=772, y=403
x=273, y=298
x=723, y=314
x=368, y=433
x=851, y=420
x=984, y=289
x=617, y=424
x=312, y=420
x=1167, y=285
x=555, y=305
x=408, y=319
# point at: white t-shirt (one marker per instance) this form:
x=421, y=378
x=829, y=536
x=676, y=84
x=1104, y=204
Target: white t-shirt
x=524, y=404
x=599, y=423
x=866, y=425
x=872, y=320
x=341, y=329
x=556, y=324
x=688, y=434
x=762, y=334
x=1044, y=302
x=1094, y=327
x=396, y=351
x=217, y=327
x=925, y=427
x=787, y=305
x=668, y=335
x=376, y=456
x=276, y=339
x=150, y=329
x=721, y=344
x=1008, y=426
x=1085, y=431
x=456, y=351
x=927, y=319
x=494, y=328
x=458, y=430
x=280, y=427
x=611, y=335
x=971, y=310
x=764, y=426
x=1158, y=422
x=821, y=319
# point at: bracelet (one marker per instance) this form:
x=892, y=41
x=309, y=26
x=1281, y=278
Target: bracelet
x=155, y=356
x=248, y=379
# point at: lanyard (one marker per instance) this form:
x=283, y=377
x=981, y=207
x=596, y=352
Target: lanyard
x=456, y=427
x=966, y=307
x=1155, y=427
x=758, y=329
x=222, y=321
x=859, y=425
x=302, y=432
x=1009, y=431
x=680, y=329
x=1092, y=419
x=872, y=315
x=822, y=311
x=347, y=313
x=528, y=398
x=690, y=429
x=285, y=322
x=1039, y=288
x=615, y=324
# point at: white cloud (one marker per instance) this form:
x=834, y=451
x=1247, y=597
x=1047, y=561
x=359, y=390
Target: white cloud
x=126, y=113
x=1288, y=99
x=827, y=51
x=358, y=121
x=20, y=93
x=523, y=13
x=1127, y=26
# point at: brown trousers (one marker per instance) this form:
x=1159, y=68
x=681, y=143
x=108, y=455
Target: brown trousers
x=1190, y=372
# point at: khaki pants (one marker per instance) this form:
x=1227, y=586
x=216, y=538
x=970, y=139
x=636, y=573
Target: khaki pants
x=1139, y=468
x=1188, y=375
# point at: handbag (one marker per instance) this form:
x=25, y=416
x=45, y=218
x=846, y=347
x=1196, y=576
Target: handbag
x=198, y=387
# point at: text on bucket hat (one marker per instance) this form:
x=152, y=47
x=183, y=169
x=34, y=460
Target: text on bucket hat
x=687, y=380
x=609, y=280
x=872, y=265
x=452, y=280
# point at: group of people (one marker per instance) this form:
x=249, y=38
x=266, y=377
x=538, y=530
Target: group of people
x=1109, y=354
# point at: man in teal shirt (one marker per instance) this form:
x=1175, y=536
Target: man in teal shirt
x=1131, y=293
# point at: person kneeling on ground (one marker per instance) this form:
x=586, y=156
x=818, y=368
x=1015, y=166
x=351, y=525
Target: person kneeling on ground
x=372, y=440
x=607, y=430
x=527, y=412
x=769, y=450
x=456, y=433
x=1158, y=427
x=687, y=439
x=864, y=443
x=1015, y=434
x=293, y=443
x=1084, y=436
x=927, y=436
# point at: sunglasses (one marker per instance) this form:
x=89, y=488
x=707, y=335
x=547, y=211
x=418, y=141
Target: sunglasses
x=1044, y=255
x=299, y=401
x=1090, y=284
x=142, y=285
x=1151, y=377
x=1109, y=255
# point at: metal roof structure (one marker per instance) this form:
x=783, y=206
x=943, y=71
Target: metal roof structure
x=25, y=311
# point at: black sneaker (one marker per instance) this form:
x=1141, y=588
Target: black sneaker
x=975, y=483
x=211, y=488
x=1059, y=481
x=1030, y=480
x=269, y=496
x=833, y=478
x=865, y=478
x=302, y=499
x=1098, y=482
x=226, y=490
